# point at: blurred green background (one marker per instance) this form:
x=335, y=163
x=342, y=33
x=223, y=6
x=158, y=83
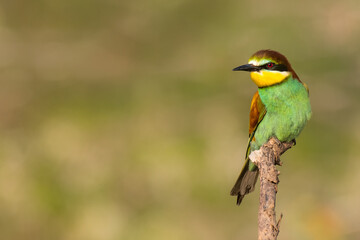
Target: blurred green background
x=123, y=119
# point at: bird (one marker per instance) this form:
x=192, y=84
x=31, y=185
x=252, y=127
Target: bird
x=279, y=108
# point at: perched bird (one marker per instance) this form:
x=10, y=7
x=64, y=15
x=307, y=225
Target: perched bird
x=280, y=108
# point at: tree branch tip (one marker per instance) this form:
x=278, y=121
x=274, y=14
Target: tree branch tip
x=278, y=223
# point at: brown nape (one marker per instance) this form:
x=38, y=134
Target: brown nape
x=277, y=57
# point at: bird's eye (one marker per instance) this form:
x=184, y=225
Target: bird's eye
x=270, y=65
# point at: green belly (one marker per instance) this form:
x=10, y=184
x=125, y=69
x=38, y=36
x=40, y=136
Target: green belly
x=288, y=109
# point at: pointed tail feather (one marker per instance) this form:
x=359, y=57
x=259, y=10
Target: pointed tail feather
x=245, y=182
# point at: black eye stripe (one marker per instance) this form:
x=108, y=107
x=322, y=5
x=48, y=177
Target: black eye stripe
x=280, y=67
x=277, y=67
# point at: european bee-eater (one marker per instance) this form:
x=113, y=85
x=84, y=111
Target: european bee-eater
x=280, y=108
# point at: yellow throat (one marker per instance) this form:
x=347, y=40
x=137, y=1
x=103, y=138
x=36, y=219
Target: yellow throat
x=266, y=78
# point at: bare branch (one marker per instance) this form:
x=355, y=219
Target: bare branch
x=266, y=158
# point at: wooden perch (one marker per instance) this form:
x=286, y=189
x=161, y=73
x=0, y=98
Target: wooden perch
x=266, y=158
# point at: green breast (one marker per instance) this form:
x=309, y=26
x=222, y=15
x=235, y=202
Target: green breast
x=288, y=109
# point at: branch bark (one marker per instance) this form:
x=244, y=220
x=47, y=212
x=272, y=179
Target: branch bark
x=266, y=158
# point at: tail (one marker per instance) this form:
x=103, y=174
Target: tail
x=245, y=182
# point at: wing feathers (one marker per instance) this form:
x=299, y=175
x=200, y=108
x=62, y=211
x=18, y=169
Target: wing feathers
x=257, y=112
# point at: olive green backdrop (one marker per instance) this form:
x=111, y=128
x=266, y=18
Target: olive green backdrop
x=123, y=119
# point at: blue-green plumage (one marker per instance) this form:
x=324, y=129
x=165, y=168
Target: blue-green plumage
x=287, y=111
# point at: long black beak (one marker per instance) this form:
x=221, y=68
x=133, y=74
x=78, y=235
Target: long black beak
x=247, y=67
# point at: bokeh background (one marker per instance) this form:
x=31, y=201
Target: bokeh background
x=123, y=119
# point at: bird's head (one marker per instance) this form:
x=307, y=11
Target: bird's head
x=267, y=68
